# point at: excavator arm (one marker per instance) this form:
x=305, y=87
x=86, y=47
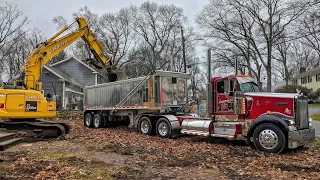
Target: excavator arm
x=53, y=46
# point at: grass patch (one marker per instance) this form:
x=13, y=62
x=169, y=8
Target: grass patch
x=315, y=117
x=93, y=170
x=314, y=105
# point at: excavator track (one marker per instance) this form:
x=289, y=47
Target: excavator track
x=38, y=128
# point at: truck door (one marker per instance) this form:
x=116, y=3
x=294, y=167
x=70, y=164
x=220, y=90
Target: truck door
x=224, y=102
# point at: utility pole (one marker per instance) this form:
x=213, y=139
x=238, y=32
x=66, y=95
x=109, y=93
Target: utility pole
x=171, y=63
x=209, y=64
x=183, y=52
x=209, y=86
x=236, y=64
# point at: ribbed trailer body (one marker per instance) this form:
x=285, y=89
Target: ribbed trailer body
x=160, y=90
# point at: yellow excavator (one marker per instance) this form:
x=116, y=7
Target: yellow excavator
x=24, y=106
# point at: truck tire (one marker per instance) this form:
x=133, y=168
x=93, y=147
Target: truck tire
x=88, y=120
x=145, y=126
x=163, y=128
x=98, y=121
x=269, y=138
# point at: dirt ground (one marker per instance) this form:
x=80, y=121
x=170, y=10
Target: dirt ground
x=121, y=153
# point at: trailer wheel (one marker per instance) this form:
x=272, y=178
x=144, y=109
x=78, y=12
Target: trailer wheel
x=145, y=126
x=269, y=138
x=88, y=122
x=97, y=121
x=163, y=128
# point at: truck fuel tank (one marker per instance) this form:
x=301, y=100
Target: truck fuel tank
x=195, y=127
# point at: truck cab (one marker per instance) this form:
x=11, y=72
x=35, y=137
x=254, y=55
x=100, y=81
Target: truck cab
x=272, y=121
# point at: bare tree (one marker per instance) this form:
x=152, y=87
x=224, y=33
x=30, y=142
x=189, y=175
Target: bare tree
x=12, y=23
x=310, y=31
x=281, y=55
x=118, y=37
x=233, y=33
x=159, y=27
x=19, y=52
x=112, y=29
x=252, y=26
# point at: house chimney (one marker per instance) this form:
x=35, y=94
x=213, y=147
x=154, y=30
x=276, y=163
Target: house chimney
x=302, y=70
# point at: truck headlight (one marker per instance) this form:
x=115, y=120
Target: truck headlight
x=310, y=120
x=291, y=122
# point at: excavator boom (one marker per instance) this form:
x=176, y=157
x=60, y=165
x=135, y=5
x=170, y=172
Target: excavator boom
x=53, y=46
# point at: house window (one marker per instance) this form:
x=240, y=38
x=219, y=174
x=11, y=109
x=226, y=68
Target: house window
x=295, y=82
x=304, y=80
x=309, y=79
x=317, y=77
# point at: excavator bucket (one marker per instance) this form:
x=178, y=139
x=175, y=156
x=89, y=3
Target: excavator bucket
x=113, y=73
x=116, y=75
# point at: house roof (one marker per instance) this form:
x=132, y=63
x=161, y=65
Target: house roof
x=308, y=73
x=65, y=60
x=63, y=76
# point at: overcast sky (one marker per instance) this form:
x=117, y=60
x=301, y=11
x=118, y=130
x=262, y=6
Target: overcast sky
x=41, y=12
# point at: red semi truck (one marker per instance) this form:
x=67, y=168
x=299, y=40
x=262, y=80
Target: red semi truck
x=155, y=104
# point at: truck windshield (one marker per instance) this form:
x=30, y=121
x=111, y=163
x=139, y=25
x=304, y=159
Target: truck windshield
x=248, y=84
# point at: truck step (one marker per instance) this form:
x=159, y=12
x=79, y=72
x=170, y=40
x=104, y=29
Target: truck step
x=202, y=133
x=194, y=132
x=6, y=136
x=10, y=142
x=230, y=137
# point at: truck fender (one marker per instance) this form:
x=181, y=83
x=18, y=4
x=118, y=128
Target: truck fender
x=175, y=124
x=267, y=119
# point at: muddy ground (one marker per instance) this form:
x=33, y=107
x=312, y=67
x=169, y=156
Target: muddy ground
x=121, y=153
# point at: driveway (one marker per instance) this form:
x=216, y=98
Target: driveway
x=314, y=110
x=316, y=124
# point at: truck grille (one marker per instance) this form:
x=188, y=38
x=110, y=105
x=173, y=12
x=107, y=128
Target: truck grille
x=301, y=116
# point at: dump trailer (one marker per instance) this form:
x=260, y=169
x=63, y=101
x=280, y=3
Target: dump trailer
x=137, y=102
x=155, y=104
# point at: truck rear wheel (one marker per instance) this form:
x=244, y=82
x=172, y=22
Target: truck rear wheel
x=163, y=128
x=145, y=126
x=269, y=138
x=88, y=122
x=97, y=121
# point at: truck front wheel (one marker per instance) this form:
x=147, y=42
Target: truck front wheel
x=145, y=126
x=163, y=128
x=269, y=138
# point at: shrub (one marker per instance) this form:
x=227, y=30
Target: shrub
x=59, y=103
x=71, y=105
x=80, y=105
x=315, y=95
x=293, y=89
x=305, y=91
